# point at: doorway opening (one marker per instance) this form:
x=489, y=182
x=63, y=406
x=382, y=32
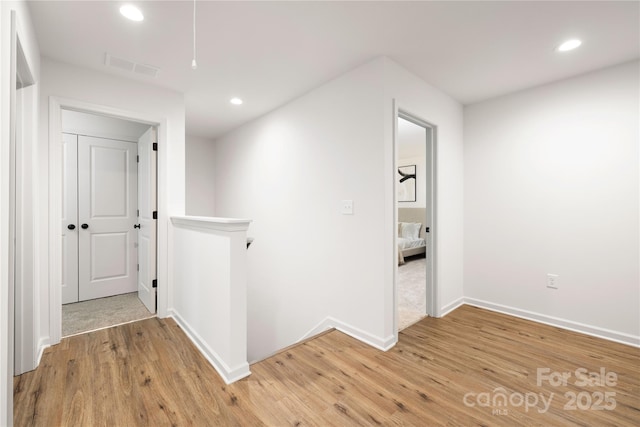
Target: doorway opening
x=108, y=221
x=415, y=209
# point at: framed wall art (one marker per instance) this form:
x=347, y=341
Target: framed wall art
x=407, y=183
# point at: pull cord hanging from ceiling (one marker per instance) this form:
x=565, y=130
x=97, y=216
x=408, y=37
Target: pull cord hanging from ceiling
x=194, y=64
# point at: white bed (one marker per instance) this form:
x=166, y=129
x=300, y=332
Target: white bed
x=411, y=236
x=406, y=244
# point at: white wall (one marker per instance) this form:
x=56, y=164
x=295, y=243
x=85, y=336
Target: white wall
x=210, y=265
x=200, y=176
x=164, y=106
x=28, y=41
x=101, y=126
x=289, y=171
x=552, y=186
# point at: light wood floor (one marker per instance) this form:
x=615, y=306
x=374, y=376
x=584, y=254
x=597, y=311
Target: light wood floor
x=147, y=373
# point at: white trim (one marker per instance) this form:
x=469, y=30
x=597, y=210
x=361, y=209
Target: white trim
x=43, y=344
x=395, y=150
x=56, y=104
x=55, y=214
x=383, y=344
x=595, y=331
x=102, y=135
x=7, y=228
x=211, y=223
x=228, y=374
x=25, y=154
x=329, y=322
x=321, y=327
x=451, y=306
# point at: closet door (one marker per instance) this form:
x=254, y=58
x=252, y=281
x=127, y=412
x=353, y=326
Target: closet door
x=69, y=218
x=148, y=231
x=107, y=204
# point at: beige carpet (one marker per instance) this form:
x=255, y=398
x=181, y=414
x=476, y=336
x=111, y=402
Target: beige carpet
x=412, y=302
x=102, y=313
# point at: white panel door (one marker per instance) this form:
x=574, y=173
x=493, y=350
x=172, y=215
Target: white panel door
x=107, y=204
x=69, y=218
x=147, y=231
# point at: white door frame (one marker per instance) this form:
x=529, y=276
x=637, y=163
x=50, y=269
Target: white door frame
x=69, y=246
x=432, y=294
x=56, y=105
x=23, y=209
x=8, y=252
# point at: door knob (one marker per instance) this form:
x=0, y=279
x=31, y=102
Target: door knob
x=84, y=226
x=136, y=226
x=71, y=227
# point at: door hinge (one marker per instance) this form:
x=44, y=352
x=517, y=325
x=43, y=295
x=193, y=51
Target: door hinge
x=138, y=214
x=138, y=267
x=155, y=146
x=137, y=159
x=155, y=214
x=154, y=283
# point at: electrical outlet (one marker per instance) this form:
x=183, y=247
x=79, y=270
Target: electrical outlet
x=552, y=281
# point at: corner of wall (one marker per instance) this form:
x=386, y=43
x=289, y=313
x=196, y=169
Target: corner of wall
x=229, y=374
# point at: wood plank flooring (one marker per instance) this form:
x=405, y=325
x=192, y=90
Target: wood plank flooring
x=473, y=367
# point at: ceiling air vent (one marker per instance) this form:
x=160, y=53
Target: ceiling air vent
x=121, y=64
x=147, y=70
x=130, y=66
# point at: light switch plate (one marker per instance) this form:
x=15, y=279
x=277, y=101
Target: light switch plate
x=347, y=207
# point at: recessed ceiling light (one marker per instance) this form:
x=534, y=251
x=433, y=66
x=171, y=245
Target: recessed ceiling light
x=569, y=45
x=129, y=11
x=236, y=101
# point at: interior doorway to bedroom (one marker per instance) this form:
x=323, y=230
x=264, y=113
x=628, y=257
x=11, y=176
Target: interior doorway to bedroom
x=414, y=184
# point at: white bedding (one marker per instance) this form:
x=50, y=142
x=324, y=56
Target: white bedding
x=404, y=243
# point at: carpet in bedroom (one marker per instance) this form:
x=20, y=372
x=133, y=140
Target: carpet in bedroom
x=412, y=295
x=102, y=313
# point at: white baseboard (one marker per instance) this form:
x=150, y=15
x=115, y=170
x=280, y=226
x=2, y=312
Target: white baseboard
x=383, y=344
x=451, y=306
x=43, y=344
x=324, y=325
x=594, y=331
x=229, y=375
x=331, y=323
x=321, y=327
